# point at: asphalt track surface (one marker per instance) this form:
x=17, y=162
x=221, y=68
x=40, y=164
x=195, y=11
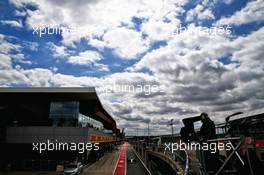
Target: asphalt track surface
x=136, y=168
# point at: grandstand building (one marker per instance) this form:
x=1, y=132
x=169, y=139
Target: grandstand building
x=58, y=115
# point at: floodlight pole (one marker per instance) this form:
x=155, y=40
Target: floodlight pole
x=171, y=124
x=148, y=133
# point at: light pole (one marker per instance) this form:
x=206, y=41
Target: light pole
x=171, y=124
x=148, y=134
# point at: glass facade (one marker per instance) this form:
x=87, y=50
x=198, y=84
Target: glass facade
x=88, y=121
x=64, y=113
x=68, y=114
x=64, y=110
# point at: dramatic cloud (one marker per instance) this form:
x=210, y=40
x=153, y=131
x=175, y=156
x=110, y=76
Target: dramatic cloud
x=194, y=75
x=110, y=44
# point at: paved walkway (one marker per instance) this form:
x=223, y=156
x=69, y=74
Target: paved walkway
x=104, y=166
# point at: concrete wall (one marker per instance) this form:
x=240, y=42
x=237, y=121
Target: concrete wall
x=30, y=134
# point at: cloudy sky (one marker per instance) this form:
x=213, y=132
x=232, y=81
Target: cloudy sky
x=218, y=69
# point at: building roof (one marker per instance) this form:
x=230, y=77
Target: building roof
x=87, y=97
x=254, y=113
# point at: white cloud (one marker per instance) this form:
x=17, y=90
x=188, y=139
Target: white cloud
x=31, y=45
x=97, y=43
x=200, y=13
x=126, y=43
x=188, y=66
x=101, y=67
x=11, y=52
x=250, y=51
x=58, y=51
x=12, y=23
x=252, y=12
x=159, y=30
x=20, y=13
x=6, y=46
x=195, y=78
x=228, y=1
x=103, y=17
x=5, y=62
x=20, y=58
x=19, y=3
x=38, y=77
x=85, y=58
